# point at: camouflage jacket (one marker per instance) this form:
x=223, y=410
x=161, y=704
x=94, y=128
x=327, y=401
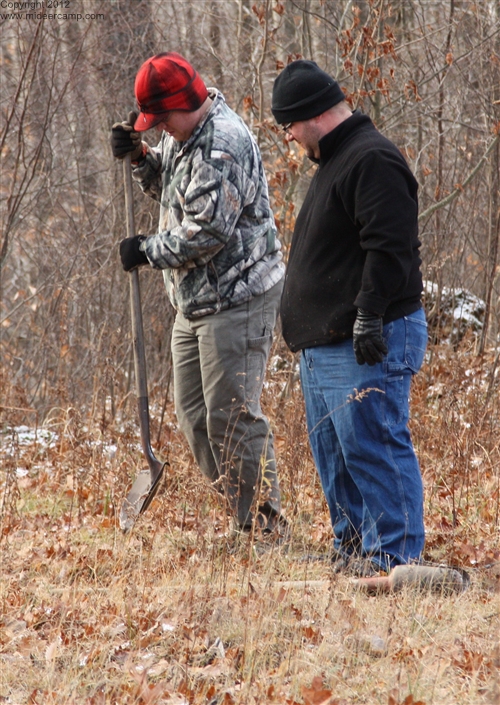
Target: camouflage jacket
x=216, y=240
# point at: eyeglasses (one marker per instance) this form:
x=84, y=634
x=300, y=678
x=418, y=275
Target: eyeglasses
x=286, y=127
x=155, y=119
x=164, y=117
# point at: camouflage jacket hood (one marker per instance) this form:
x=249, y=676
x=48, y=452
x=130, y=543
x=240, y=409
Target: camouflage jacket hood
x=216, y=240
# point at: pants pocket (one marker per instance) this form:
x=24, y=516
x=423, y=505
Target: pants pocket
x=416, y=341
x=406, y=355
x=396, y=398
x=258, y=351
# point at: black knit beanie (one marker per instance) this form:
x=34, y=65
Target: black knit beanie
x=303, y=91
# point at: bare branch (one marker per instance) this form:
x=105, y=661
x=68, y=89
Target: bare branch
x=460, y=189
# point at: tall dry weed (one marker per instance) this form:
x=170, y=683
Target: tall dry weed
x=185, y=611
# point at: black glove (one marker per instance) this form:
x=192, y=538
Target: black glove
x=369, y=344
x=130, y=253
x=125, y=139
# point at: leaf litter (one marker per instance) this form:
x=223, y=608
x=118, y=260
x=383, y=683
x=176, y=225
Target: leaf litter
x=177, y=612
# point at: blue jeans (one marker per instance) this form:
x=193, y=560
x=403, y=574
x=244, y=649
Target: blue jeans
x=357, y=418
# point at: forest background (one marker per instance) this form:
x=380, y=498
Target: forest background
x=174, y=612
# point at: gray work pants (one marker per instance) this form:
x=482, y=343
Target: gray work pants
x=219, y=365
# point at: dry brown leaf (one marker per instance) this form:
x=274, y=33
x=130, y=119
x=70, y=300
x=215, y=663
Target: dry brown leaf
x=52, y=649
x=407, y=701
x=150, y=693
x=312, y=635
x=316, y=694
x=468, y=661
x=159, y=667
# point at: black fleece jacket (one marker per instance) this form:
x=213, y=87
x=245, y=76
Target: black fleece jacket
x=355, y=242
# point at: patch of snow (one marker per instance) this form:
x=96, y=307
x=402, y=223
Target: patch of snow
x=456, y=312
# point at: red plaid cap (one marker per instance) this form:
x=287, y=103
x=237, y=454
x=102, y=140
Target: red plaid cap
x=166, y=82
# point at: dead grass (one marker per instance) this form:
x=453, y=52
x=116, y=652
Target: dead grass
x=181, y=612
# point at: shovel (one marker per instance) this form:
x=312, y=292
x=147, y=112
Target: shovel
x=147, y=481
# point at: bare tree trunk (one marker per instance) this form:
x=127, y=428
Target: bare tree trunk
x=215, y=45
x=64, y=312
x=491, y=267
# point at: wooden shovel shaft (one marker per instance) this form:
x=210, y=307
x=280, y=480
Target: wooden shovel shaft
x=138, y=335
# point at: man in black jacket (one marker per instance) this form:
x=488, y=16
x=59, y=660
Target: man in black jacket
x=352, y=305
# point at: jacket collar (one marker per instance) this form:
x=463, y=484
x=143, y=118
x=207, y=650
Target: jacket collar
x=331, y=142
x=218, y=101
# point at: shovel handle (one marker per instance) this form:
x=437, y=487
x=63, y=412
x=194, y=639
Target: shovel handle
x=138, y=333
x=135, y=293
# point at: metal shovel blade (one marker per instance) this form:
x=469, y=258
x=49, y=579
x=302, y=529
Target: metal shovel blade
x=139, y=498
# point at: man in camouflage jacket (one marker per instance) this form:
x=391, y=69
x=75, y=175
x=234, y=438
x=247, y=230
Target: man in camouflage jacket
x=223, y=271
